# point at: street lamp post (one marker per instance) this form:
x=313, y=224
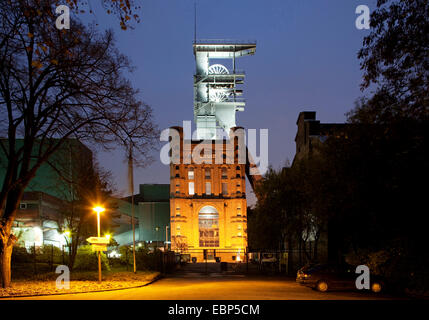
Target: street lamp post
x=107, y=236
x=68, y=238
x=98, y=210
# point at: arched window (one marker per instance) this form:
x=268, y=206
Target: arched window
x=209, y=227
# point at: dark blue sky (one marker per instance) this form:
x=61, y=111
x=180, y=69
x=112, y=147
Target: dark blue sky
x=306, y=59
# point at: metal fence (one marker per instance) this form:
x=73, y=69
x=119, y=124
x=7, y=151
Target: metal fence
x=251, y=262
x=36, y=260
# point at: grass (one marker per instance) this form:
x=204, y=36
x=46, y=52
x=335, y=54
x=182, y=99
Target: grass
x=26, y=283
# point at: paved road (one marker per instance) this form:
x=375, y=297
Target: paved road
x=215, y=286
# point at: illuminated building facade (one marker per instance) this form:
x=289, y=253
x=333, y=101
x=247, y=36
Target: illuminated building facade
x=207, y=185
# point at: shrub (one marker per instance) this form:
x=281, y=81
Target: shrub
x=126, y=257
x=48, y=253
x=145, y=259
x=86, y=259
x=21, y=255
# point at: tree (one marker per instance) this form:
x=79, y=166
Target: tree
x=395, y=63
x=86, y=183
x=55, y=85
x=391, y=151
x=287, y=214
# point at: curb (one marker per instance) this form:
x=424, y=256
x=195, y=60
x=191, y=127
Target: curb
x=158, y=277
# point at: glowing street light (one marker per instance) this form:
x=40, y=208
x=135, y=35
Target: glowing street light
x=98, y=210
x=107, y=236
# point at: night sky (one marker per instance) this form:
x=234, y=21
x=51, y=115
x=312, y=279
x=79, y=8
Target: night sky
x=306, y=59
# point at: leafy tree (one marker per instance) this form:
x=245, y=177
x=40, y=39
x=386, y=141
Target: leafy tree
x=55, y=85
x=395, y=63
x=287, y=214
x=366, y=186
x=388, y=153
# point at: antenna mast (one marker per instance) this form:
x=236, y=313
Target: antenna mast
x=195, y=22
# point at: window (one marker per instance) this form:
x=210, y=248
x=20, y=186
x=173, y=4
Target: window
x=191, y=174
x=224, y=173
x=208, y=188
x=207, y=173
x=191, y=188
x=224, y=188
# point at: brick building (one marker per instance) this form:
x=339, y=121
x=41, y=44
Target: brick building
x=208, y=201
x=311, y=134
x=309, y=139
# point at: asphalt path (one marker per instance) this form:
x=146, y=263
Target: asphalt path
x=217, y=286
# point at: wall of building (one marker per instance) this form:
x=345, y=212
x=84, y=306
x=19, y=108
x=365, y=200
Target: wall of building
x=38, y=220
x=67, y=161
x=197, y=186
x=152, y=214
x=154, y=218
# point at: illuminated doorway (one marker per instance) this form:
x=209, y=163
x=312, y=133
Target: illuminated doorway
x=209, y=227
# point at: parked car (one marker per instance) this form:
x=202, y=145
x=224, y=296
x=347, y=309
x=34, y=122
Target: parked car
x=324, y=277
x=268, y=258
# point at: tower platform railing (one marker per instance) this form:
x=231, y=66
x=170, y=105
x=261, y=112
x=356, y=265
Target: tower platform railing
x=223, y=41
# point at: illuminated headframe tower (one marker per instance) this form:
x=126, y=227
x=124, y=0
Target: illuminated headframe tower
x=208, y=207
x=216, y=97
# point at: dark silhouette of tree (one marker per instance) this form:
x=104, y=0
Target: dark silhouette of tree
x=55, y=85
x=367, y=185
x=389, y=150
x=287, y=214
x=394, y=58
